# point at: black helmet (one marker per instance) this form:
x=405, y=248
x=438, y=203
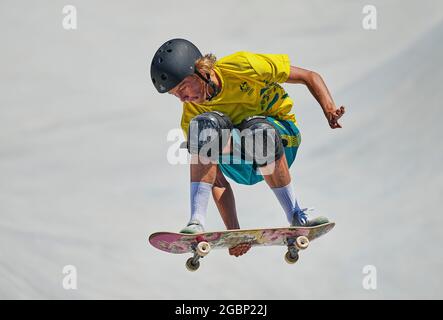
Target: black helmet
x=173, y=61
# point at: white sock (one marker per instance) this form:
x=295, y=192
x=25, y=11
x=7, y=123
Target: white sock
x=200, y=192
x=286, y=197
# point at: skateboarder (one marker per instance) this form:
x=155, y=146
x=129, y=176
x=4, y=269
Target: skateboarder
x=239, y=94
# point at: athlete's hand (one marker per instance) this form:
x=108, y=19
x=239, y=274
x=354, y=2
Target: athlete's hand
x=239, y=249
x=333, y=114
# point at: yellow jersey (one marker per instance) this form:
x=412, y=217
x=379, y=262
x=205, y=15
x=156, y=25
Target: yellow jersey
x=249, y=86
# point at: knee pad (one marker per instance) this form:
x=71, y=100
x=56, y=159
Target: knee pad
x=260, y=141
x=209, y=133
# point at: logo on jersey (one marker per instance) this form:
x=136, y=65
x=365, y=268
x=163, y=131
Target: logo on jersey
x=244, y=87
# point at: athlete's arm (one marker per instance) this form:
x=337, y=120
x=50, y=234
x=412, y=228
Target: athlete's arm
x=318, y=89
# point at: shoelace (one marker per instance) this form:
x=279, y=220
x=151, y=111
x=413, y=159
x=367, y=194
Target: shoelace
x=303, y=217
x=194, y=223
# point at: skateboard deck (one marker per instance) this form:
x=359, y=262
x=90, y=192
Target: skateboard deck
x=295, y=238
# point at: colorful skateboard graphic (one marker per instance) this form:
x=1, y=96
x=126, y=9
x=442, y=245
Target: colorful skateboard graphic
x=294, y=238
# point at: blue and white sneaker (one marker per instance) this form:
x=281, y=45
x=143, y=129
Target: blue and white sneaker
x=194, y=226
x=301, y=219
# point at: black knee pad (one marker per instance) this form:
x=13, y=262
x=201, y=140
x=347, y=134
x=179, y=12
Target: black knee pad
x=209, y=133
x=260, y=141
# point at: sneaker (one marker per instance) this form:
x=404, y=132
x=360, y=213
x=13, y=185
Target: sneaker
x=194, y=226
x=301, y=219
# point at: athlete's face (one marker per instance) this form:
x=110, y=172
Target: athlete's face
x=191, y=89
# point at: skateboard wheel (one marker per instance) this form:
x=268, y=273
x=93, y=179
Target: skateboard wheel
x=203, y=248
x=302, y=242
x=289, y=258
x=191, y=266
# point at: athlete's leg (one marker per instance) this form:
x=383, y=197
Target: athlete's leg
x=202, y=179
x=262, y=143
x=277, y=174
x=203, y=164
x=203, y=170
x=278, y=178
x=225, y=202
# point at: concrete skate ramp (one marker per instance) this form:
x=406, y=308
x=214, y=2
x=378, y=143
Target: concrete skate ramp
x=84, y=176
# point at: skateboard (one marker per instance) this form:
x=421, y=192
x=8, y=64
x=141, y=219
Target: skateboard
x=200, y=244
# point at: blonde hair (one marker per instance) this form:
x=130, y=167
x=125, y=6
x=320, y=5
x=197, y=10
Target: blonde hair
x=206, y=63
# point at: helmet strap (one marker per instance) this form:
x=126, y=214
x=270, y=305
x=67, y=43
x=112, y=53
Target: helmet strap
x=209, y=82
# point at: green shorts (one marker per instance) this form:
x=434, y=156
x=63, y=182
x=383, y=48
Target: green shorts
x=246, y=172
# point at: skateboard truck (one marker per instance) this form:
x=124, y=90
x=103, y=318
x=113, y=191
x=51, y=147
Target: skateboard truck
x=201, y=248
x=294, y=246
